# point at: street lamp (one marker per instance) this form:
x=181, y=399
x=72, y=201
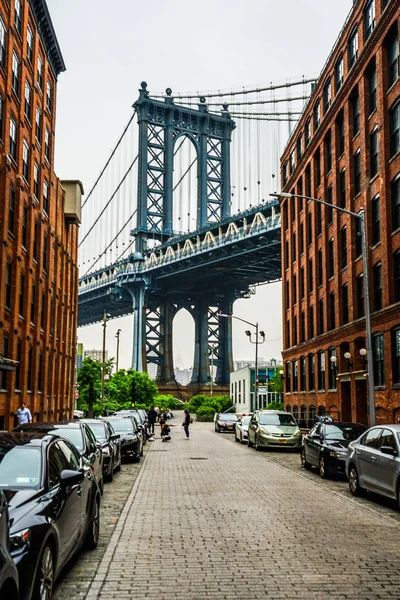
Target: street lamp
x=256, y=342
x=117, y=359
x=347, y=357
x=105, y=317
x=363, y=354
x=361, y=217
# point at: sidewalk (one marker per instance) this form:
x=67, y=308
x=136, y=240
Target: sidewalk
x=210, y=519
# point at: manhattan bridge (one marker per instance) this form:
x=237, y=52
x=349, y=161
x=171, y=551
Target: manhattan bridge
x=180, y=217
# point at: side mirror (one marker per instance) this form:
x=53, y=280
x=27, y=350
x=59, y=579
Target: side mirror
x=115, y=436
x=98, y=445
x=388, y=450
x=69, y=478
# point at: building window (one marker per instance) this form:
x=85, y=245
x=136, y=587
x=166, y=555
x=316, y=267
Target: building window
x=329, y=210
x=393, y=59
x=17, y=16
x=320, y=279
x=287, y=295
x=353, y=48
x=18, y=369
x=328, y=153
x=373, y=152
x=286, y=254
x=302, y=327
x=13, y=139
x=46, y=197
x=319, y=219
x=355, y=112
x=345, y=304
x=285, y=174
x=291, y=161
x=321, y=370
x=36, y=180
x=30, y=369
x=7, y=298
x=331, y=369
x=11, y=210
x=307, y=131
x=308, y=180
x=340, y=130
x=3, y=374
x=395, y=197
x=299, y=146
x=343, y=247
x=301, y=238
x=394, y=128
x=321, y=317
x=377, y=281
x=284, y=215
x=332, y=320
x=33, y=303
x=29, y=44
x=287, y=377
x=357, y=172
x=49, y=97
x=342, y=188
x=358, y=232
x=28, y=101
x=360, y=295
x=369, y=19
x=300, y=193
x=47, y=144
x=35, y=240
x=376, y=220
x=311, y=327
x=309, y=227
x=372, y=89
x=317, y=168
x=25, y=160
x=310, y=276
x=327, y=95
x=24, y=225
x=294, y=251
x=42, y=310
x=396, y=273
x=38, y=121
x=1, y=117
x=339, y=74
x=396, y=354
x=294, y=331
x=40, y=72
x=287, y=334
x=3, y=44
x=21, y=294
x=302, y=286
x=39, y=371
x=303, y=374
x=331, y=258
x=45, y=253
x=15, y=80
x=379, y=359
x=311, y=372
x=293, y=206
x=295, y=376
x=316, y=115
x=294, y=289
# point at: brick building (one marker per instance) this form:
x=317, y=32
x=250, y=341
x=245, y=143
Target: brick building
x=345, y=150
x=39, y=217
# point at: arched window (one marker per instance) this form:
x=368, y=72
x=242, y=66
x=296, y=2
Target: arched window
x=303, y=416
x=311, y=416
x=288, y=408
x=296, y=412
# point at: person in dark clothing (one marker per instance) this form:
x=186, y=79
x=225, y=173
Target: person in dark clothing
x=152, y=417
x=186, y=423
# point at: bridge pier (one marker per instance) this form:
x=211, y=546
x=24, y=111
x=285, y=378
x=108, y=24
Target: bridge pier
x=201, y=365
x=225, y=355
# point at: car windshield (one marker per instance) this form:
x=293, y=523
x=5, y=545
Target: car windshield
x=20, y=467
x=74, y=435
x=99, y=430
x=227, y=417
x=245, y=420
x=121, y=425
x=343, y=432
x=277, y=419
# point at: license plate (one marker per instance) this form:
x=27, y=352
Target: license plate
x=230, y=427
x=282, y=441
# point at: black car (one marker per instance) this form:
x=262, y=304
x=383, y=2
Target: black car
x=325, y=446
x=131, y=439
x=141, y=424
x=226, y=422
x=81, y=436
x=8, y=570
x=54, y=506
x=110, y=445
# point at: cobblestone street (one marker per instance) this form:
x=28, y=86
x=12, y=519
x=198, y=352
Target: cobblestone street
x=208, y=518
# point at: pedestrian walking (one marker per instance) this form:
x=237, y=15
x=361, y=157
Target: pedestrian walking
x=152, y=418
x=186, y=423
x=24, y=414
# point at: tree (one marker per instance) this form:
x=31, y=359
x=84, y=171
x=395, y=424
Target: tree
x=89, y=381
x=275, y=383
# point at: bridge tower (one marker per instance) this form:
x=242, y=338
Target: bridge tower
x=161, y=123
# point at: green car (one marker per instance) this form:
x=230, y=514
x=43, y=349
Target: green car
x=274, y=429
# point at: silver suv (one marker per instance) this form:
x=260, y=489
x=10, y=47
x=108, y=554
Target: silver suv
x=274, y=429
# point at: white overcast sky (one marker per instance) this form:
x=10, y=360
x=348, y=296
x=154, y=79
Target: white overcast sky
x=110, y=47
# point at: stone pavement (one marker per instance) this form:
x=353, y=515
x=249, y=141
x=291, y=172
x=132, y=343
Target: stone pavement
x=210, y=519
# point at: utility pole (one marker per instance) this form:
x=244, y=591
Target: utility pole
x=117, y=359
x=103, y=356
x=212, y=368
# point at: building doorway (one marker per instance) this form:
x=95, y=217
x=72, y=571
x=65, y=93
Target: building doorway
x=345, y=395
x=361, y=402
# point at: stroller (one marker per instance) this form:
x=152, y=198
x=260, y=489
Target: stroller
x=165, y=432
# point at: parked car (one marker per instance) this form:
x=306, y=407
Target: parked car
x=226, y=422
x=242, y=429
x=81, y=436
x=274, y=429
x=139, y=420
x=110, y=445
x=326, y=445
x=373, y=462
x=131, y=438
x=54, y=505
x=8, y=570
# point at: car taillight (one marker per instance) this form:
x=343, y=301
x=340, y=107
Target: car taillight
x=92, y=467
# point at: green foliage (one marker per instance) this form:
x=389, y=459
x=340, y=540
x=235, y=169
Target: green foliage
x=205, y=413
x=168, y=401
x=206, y=406
x=89, y=381
x=275, y=383
x=275, y=406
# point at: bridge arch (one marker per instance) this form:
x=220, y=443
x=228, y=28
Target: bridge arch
x=183, y=340
x=185, y=193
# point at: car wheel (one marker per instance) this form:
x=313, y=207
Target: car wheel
x=43, y=586
x=92, y=537
x=141, y=452
x=304, y=462
x=257, y=444
x=323, y=469
x=249, y=443
x=236, y=437
x=241, y=438
x=354, y=484
x=101, y=485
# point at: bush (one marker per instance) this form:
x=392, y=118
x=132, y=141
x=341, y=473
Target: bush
x=275, y=406
x=205, y=413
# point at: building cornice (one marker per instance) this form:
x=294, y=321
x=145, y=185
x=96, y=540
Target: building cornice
x=48, y=35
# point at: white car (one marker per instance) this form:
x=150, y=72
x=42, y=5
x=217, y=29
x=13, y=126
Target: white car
x=242, y=429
